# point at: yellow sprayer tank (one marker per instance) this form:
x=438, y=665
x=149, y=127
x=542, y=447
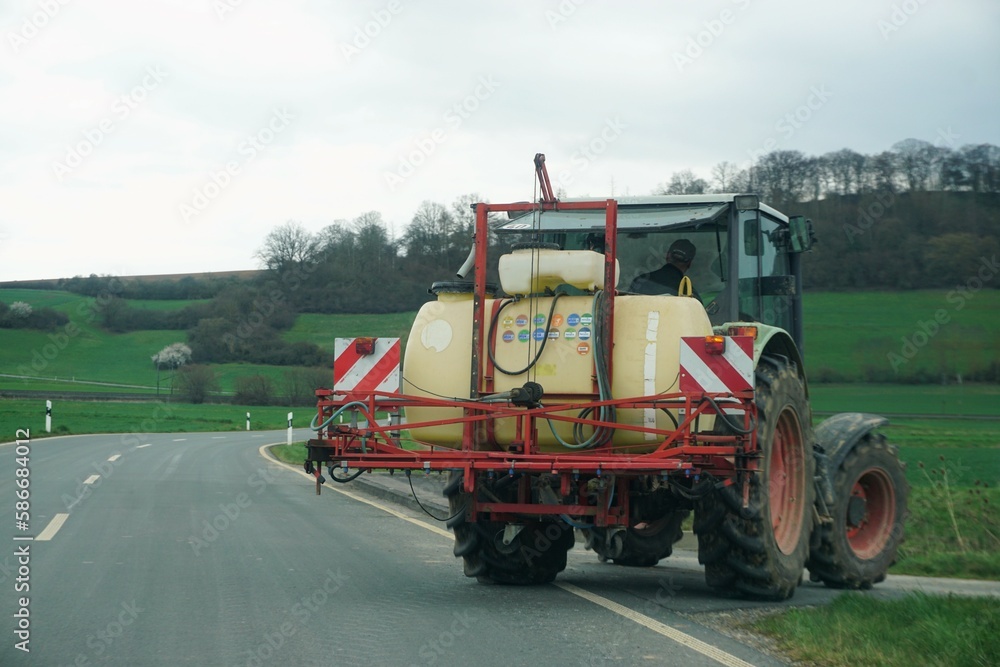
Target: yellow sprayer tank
x=647, y=332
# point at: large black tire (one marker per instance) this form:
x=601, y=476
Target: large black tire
x=536, y=556
x=870, y=491
x=760, y=551
x=642, y=546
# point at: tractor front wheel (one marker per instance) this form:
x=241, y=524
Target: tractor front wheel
x=870, y=498
x=534, y=556
x=644, y=545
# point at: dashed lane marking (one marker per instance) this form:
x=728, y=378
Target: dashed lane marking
x=50, y=530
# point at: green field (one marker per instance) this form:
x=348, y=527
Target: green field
x=323, y=329
x=849, y=336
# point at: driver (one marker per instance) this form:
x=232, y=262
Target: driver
x=667, y=278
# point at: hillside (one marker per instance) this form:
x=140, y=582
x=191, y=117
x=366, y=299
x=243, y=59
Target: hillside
x=850, y=337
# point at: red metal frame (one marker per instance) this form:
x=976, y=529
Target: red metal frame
x=682, y=452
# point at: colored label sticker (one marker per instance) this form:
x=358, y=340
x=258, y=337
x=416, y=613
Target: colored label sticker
x=557, y=320
x=573, y=320
x=586, y=319
x=538, y=334
x=508, y=336
x=570, y=334
x=508, y=322
x=524, y=335
x=584, y=334
x=553, y=333
x=539, y=319
x=583, y=348
x=521, y=321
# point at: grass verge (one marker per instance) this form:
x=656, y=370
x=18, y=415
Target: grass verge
x=80, y=417
x=294, y=453
x=857, y=630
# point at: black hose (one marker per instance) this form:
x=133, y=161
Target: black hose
x=344, y=480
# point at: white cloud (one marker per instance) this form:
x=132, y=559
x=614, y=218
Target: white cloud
x=358, y=112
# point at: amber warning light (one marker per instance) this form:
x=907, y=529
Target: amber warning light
x=715, y=344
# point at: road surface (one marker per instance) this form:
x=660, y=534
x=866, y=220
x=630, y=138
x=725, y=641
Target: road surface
x=195, y=549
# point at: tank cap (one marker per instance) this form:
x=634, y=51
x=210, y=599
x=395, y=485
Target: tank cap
x=459, y=287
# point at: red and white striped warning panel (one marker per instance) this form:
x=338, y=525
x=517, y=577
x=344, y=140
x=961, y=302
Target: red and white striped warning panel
x=707, y=368
x=366, y=364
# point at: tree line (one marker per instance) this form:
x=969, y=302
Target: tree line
x=790, y=176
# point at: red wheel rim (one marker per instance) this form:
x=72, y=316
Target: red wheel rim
x=787, y=481
x=872, y=532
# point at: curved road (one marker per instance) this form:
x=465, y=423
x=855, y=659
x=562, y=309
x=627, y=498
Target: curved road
x=195, y=549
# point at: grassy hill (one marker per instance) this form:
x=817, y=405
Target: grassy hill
x=850, y=337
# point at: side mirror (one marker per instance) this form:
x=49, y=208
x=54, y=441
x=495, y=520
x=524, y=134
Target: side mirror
x=801, y=235
x=751, y=237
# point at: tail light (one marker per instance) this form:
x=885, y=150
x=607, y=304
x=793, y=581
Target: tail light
x=743, y=331
x=715, y=344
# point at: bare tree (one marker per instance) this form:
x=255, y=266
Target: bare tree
x=196, y=382
x=683, y=182
x=288, y=246
x=724, y=177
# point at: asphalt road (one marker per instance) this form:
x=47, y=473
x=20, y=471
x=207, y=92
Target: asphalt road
x=196, y=549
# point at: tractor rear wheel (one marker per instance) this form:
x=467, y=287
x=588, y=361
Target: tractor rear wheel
x=535, y=555
x=870, y=498
x=761, y=550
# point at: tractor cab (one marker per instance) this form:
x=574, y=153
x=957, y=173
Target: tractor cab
x=745, y=266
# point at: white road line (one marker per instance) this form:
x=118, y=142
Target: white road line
x=141, y=446
x=50, y=530
x=115, y=457
x=674, y=634
x=91, y=479
x=400, y=515
x=180, y=439
x=218, y=437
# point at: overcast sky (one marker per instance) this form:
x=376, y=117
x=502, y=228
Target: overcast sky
x=170, y=136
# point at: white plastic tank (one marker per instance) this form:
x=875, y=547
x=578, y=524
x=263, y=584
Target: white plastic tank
x=531, y=270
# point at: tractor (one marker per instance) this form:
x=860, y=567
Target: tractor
x=568, y=395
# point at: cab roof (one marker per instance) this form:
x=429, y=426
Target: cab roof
x=656, y=212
